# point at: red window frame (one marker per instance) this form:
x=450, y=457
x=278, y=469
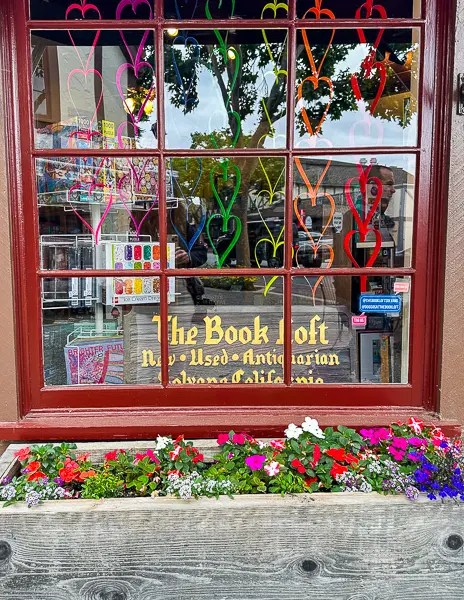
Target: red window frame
x=141, y=411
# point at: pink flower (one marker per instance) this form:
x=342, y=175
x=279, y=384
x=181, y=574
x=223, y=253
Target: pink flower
x=401, y=443
x=175, y=453
x=238, y=438
x=112, y=455
x=417, y=442
x=223, y=438
x=255, y=462
x=138, y=457
x=23, y=454
x=397, y=454
x=272, y=468
x=152, y=456
x=277, y=444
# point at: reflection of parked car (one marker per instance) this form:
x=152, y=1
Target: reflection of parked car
x=305, y=256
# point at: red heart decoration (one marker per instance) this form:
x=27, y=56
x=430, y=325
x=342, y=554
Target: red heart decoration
x=363, y=224
x=383, y=80
x=370, y=7
x=375, y=253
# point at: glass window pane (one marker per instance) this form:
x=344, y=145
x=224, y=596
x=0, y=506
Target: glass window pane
x=225, y=89
x=227, y=212
x=229, y=9
x=92, y=329
x=336, y=342
x=99, y=213
x=354, y=212
x=351, y=9
x=222, y=330
x=97, y=9
x=357, y=90
x=94, y=89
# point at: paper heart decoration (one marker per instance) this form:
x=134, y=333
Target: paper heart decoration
x=80, y=134
x=321, y=277
x=383, y=80
x=189, y=244
x=366, y=123
x=86, y=73
x=370, y=8
x=318, y=13
x=83, y=9
x=186, y=89
x=179, y=16
x=137, y=174
x=315, y=81
x=136, y=69
x=236, y=116
x=94, y=185
x=225, y=221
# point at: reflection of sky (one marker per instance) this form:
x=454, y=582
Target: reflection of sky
x=354, y=128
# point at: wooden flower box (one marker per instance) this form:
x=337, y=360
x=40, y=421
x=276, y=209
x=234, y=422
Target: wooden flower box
x=317, y=547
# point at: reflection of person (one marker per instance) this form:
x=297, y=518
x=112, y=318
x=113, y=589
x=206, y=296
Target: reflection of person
x=385, y=223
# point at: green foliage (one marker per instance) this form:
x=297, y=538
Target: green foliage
x=103, y=485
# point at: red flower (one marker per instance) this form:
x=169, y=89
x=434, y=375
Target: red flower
x=197, y=458
x=36, y=475
x=277, y=444
x=139, y=457
x=349, y=458
x=67, y=474
x=299, y=466
x=174, y=472
x=238, y=438
x=223, y=438
x=23, y=454
x=316, y=455
x=338, y=470
x=336, y=453
x=175, y=453
x=309, y=480
x=178, y=439
x=32, y=467
x=71, y=464
x=86, y=474
x=112, y=455
x=83, y=457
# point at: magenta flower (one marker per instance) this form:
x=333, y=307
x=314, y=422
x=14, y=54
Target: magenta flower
x=397, y=454
x=415, y=442
x=401, y=443
x=223, y=438
x=238, y=438
x=375, y=435
x=255, y=462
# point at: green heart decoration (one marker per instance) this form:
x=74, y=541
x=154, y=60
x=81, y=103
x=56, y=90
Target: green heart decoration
x=239, y=126
x=225, y=212
x=238, y=230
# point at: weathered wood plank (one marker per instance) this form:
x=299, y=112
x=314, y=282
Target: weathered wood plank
x=336, y=547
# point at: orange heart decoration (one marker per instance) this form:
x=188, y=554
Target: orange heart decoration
x=315, y=81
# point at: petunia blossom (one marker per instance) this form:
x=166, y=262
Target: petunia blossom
x=255, y=461
x=272, y=468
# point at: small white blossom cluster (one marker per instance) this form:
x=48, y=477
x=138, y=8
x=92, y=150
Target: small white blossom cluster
x=49, y=491
x=7, y=492
x=354, y=482
x=309, y=426
x=162, y=442
x=375, y=466
x=194, y=485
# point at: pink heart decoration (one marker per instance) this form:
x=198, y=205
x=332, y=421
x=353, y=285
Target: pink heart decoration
x=366, y=123
x=87, y=135
x=133, y=4
x=95, y=232
x=85, y=73
x=136, y=69
x=138, y=175
x=84, y=8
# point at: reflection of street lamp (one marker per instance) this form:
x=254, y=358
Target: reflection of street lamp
x=172, y=32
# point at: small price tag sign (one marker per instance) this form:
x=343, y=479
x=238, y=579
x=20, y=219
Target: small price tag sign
x=359, y=321
x=400, y=286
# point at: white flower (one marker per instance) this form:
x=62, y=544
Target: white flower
x=272, y=468
x=261, y=444
x=293, y=431
x=312, y=426
x=162, y=442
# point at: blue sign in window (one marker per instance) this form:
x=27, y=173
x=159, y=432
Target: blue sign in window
x=379, y=304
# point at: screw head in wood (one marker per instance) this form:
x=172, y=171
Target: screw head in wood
x=454, y=541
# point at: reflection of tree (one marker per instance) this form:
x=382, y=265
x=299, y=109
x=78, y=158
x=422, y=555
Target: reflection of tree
x=250, y=93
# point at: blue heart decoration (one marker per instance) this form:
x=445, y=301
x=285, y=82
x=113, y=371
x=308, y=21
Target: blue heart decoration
x=189, y=245
x=194, y=42
x=179, y=16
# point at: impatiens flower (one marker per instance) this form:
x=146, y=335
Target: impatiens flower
x=197, y=458
x=83, y=457
x=238, y=438
x=255, y=462
x=338, y=470
x=272, y=468
x=162, y=442
x=67, y=474
x=397, y=454
x=309, y=480
x=152, y=456
x=277, y=444
x=37, y=475
x=316, y=455
x=23, y=454
x=223, y=438
x=336, y=453
x=298, y=465
x=417, y=442
x=174, y=454
x=32, y=466
x=111, y=455
x=375, y=435
x=178, y=439
x=312, y=426
x=416, y=425
x=139, y=457
x=401, y=443
x=174, y=472
x=350, y=459
x=293, y=431
x=86, y=474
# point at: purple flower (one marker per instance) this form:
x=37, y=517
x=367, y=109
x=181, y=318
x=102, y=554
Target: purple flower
x=414, y=441
x=255, y=462
x=59, y=481
x=414, y=456
x=412, y=493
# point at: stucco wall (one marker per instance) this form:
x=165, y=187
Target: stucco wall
x=8, y=400
x=452, y=382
